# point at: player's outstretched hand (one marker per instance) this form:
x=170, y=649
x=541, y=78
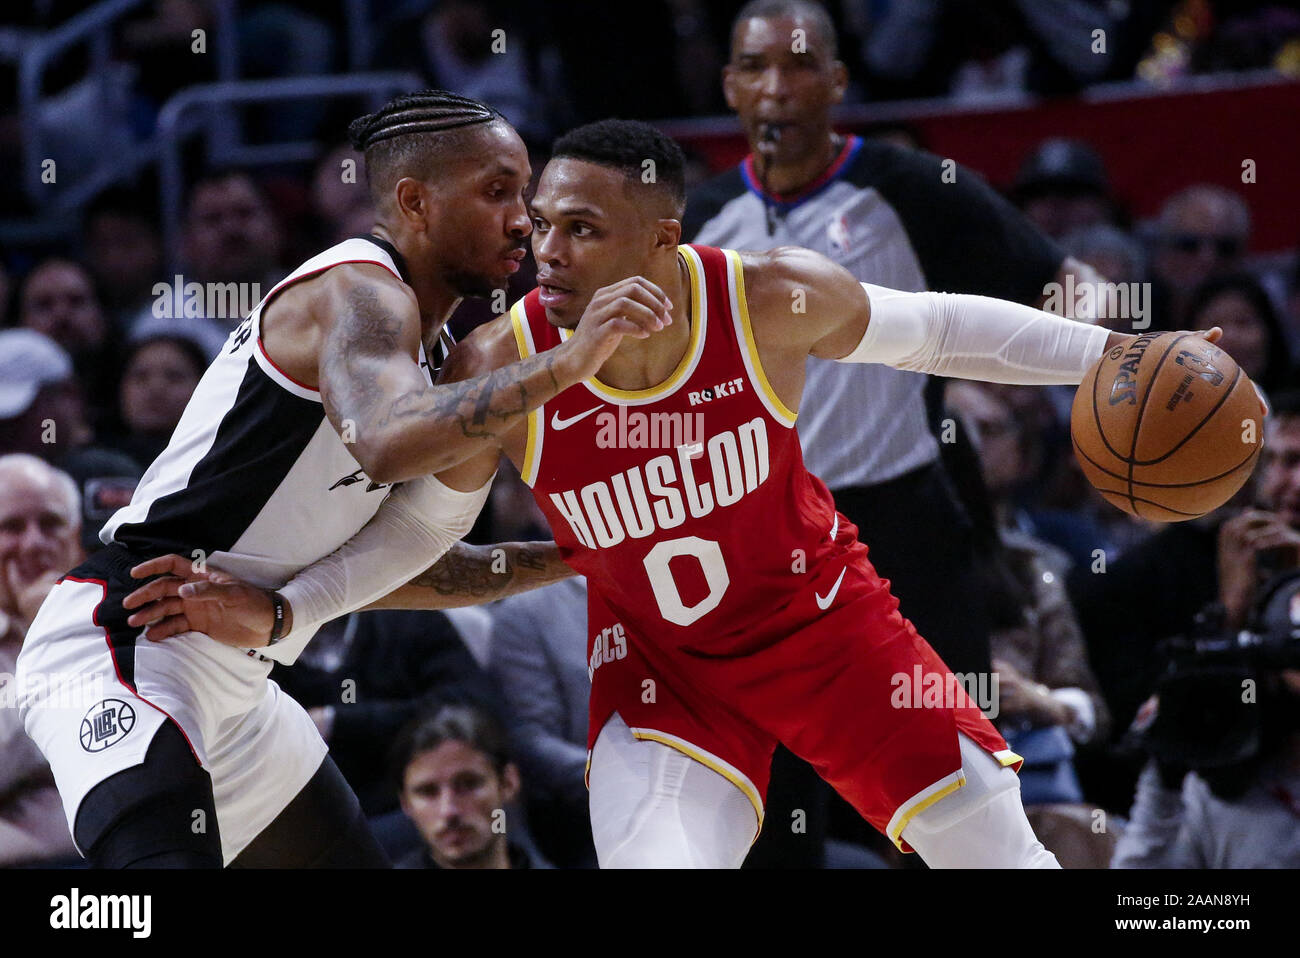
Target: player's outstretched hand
x=186, y=599
x=630, y=307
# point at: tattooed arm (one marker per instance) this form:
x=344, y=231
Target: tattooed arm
x=471, y=575
x=399, y=426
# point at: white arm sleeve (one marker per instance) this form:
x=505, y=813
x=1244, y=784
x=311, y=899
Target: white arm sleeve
x=975, y=337
x=414, y=526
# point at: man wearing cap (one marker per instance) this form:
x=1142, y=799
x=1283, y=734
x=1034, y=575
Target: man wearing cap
x=1062, y=187
x=42, y=413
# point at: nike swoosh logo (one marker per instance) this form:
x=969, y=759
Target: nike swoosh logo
x=825, y=603
x=558, y=423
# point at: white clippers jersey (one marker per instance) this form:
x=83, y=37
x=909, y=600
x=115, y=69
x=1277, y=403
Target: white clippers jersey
x=255, y=476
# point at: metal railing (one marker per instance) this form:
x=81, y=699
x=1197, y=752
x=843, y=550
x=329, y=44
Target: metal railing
x=35, y=52
x=92, y=26
x=176, y=123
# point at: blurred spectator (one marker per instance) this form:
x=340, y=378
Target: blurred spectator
x=1158, y=589
x=1252, y=331
x=1264, y=541
x=1109, y=250
x=976, y=49
x=59, y=299
x=1037, y=646
x=339, y=197
x=364, y=676
x=1048, y=699
x=124, y=252
x=539, y=662
x=1201, y=232
x=482, y=51
x=231, y=233
x=1062, y=186
x=456, y=780
x=284, y=39
x=612, y=82
x=1210, y=36
x=42, y=413
x=1225, y=793
x=40, y=522
x=158, y=40
x=159, y=374
x=41, y=407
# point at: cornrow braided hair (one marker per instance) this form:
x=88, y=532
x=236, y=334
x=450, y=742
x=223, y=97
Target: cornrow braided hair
x=428, y=111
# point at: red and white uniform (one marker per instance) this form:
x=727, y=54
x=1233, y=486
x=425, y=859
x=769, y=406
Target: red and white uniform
x=730, y=606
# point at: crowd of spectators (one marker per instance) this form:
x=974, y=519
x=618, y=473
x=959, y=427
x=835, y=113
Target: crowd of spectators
x=100, y=351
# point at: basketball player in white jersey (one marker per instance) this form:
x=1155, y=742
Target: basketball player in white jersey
x=317, y=424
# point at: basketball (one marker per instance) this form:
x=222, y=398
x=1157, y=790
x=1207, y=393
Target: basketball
x=1166, y=427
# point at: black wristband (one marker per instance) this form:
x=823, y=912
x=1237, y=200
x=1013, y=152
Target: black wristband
x=277, y=608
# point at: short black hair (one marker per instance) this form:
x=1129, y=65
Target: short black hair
x=774, y=9
x=452, y=723
x=627, y=145
x=412, y=135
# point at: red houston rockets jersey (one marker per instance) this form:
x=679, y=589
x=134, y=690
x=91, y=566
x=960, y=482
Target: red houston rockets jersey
x=730, y=607
x=686, y=505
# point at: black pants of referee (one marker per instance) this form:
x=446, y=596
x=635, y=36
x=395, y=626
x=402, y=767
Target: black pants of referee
x=145, y=817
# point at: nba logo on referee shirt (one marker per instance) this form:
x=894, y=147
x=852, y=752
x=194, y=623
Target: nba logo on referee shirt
x=837, y=234
x=106, y=724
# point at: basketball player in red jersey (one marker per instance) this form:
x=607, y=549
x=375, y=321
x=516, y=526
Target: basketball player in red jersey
x=730, y=606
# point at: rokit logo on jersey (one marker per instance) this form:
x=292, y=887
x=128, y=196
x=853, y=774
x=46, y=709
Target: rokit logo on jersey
x=720, y=391
x=660, y=493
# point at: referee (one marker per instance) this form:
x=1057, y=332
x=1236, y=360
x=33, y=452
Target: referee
x=894, y=217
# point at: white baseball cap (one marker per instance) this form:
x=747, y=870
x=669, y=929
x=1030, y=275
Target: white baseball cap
x=28, y=361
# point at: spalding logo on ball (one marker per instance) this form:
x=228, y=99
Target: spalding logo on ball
x=1167, y=427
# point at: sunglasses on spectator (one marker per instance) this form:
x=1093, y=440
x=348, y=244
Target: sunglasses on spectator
x=1225, y=247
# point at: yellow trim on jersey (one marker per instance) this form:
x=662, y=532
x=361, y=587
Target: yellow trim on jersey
x=689, y=360
x=523, y=340
x=1007, y=757
x=751, y=346
x=901, y=818
x=709, y=761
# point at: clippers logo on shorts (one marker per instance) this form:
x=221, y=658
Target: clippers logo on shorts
x=106, y=724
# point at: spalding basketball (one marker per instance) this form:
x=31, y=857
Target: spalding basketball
x=1166, y=426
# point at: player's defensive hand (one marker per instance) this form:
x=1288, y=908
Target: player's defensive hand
x=630, y=307
x=186, y=599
